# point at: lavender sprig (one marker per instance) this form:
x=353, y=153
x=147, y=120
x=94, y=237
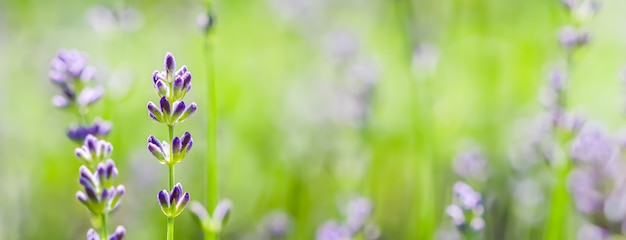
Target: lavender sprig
x=565, y=126
x=466, y=211
x=171, y=86
x=69, y=71
x=71, y=74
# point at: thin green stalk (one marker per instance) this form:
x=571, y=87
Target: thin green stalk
x=170, y=221
x=212, y=165
x=170, y=228
x=559, y=216
x=104, y=233
x=171, y=166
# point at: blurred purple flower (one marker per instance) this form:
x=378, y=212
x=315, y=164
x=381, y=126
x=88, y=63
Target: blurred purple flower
x=592, y=145
x=332, y=230
x=98, y=128
x=471, y=164
x=276, y=225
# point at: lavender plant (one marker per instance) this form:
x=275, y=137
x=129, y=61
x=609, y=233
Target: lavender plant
x=572, y=38
x=69, y=71
x=171, y=86
x=466, y=211
x=211, y=225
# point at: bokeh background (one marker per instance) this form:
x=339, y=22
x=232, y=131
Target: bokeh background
x=318, y=102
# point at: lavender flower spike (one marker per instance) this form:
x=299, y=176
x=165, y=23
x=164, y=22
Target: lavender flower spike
x=172, y=204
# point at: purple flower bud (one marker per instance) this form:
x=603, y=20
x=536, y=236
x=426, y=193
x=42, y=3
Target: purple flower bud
x=155, y=112
x=119, y=233
x=205, y=22
x=477, y=224
x=188, y=148
x=162, y=89
x=558, y=79
x=199, y=213
x=81, y=197
x=111, y=169
x=222, y=210
x=87, y=74
x=457, y=215
x=92, y=234
x=106, y=193
x=91, y=192
x=179, y=108
x=182, y=203
x=91, y=143
x=164, y=201
x=186, y=139
x=170, y=63
x=571, y=38
x=177, y=86
x=157, y=152
x=176, y=145
x=57, y=77
x=188, y=112
x=155, y=76
x=177, y=191
x=187, y=81
x=60, y=101
x=181, y=71
x=165, y=106
x=89, y=96
x=83, y=154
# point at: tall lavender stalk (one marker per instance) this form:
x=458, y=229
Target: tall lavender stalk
x=572, y=38
x=69, y=71
x=212, y=177
x=211, y=226
x=171, y=86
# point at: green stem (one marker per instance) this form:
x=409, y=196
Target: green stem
x=171, y=165
x=104, y=234
x=170, y=228
x=212, y=178
x=170, y=221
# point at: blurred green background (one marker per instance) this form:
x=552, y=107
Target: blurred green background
x=292, y=135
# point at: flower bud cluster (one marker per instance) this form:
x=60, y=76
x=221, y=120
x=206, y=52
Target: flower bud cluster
x=71, y=74
x=171, y=86
x=100, y=195
x=173, y=203
x=597, y=183
x=466, y=209
x=161, y=150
